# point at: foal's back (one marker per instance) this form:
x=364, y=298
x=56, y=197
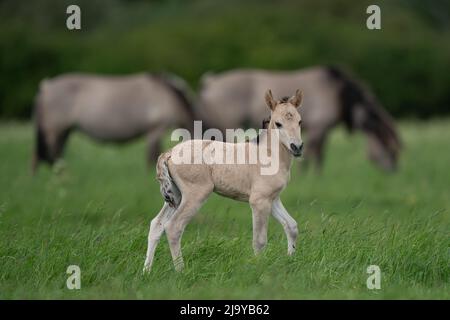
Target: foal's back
x=230, y=178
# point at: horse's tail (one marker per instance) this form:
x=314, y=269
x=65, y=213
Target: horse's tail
x=168, y=187
x=40, y=152
x=361, y=110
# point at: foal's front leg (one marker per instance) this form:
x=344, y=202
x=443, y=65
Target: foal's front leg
x=288, y=223
x=261, y=208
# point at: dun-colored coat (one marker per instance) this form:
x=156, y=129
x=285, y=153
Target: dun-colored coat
x=109, y=109
x=232, y=100
x=186, y=186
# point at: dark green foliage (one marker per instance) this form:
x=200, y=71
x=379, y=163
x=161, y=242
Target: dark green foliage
x=407, y=62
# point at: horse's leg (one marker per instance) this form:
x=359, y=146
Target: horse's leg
x=154, y=150
x=155, y=233
x=40, y=149
x=61, y=140
x=261, y=207
x=55, y=141
x=154, y=144
x=288, y=223
x=190, y=203
x=315, y=146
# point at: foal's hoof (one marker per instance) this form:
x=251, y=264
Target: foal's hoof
x=291, y=251
x=179, y=267
x=146, y=269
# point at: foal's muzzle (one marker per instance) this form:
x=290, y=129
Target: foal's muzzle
x=296, y=150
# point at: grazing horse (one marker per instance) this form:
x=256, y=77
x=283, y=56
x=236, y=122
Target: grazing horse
x=109, y=109
x=231, y=100
x=185, y=186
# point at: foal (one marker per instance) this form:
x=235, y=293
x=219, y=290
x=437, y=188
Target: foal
x=186, y=186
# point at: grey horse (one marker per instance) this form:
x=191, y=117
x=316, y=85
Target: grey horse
x=232, y=99
x=109, y=109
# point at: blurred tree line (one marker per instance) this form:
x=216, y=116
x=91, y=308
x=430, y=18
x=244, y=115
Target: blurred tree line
x=407, y=62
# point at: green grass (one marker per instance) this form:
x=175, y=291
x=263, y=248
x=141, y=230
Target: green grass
x=96, y=213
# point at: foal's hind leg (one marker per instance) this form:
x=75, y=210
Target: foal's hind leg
x=155, y=233
x=190, y=203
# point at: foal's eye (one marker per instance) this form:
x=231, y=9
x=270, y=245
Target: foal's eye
x=300, y=123
x=279, y=125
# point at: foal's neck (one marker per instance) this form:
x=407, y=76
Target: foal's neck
x=284, y=156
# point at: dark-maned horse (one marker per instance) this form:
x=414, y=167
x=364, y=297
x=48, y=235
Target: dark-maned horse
x=109, y=109
x=233, y=100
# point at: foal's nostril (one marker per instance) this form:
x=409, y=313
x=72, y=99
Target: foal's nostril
x=294, y=147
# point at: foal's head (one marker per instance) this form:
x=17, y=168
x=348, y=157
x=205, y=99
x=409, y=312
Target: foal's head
x=286, y=118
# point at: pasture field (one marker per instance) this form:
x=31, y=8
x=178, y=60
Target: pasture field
x=95, y=213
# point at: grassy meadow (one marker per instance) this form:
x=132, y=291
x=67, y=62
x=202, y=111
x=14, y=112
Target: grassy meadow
x=95, y=212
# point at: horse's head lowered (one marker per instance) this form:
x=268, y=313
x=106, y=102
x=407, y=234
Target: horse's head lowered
x=286, y=118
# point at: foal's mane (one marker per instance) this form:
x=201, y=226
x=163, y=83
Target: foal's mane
x=283, y=100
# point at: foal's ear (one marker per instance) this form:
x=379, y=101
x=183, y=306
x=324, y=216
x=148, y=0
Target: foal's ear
x=269, y=100
x=296, y=100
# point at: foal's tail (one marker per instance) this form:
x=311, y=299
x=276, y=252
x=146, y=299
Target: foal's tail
x=168, y=187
